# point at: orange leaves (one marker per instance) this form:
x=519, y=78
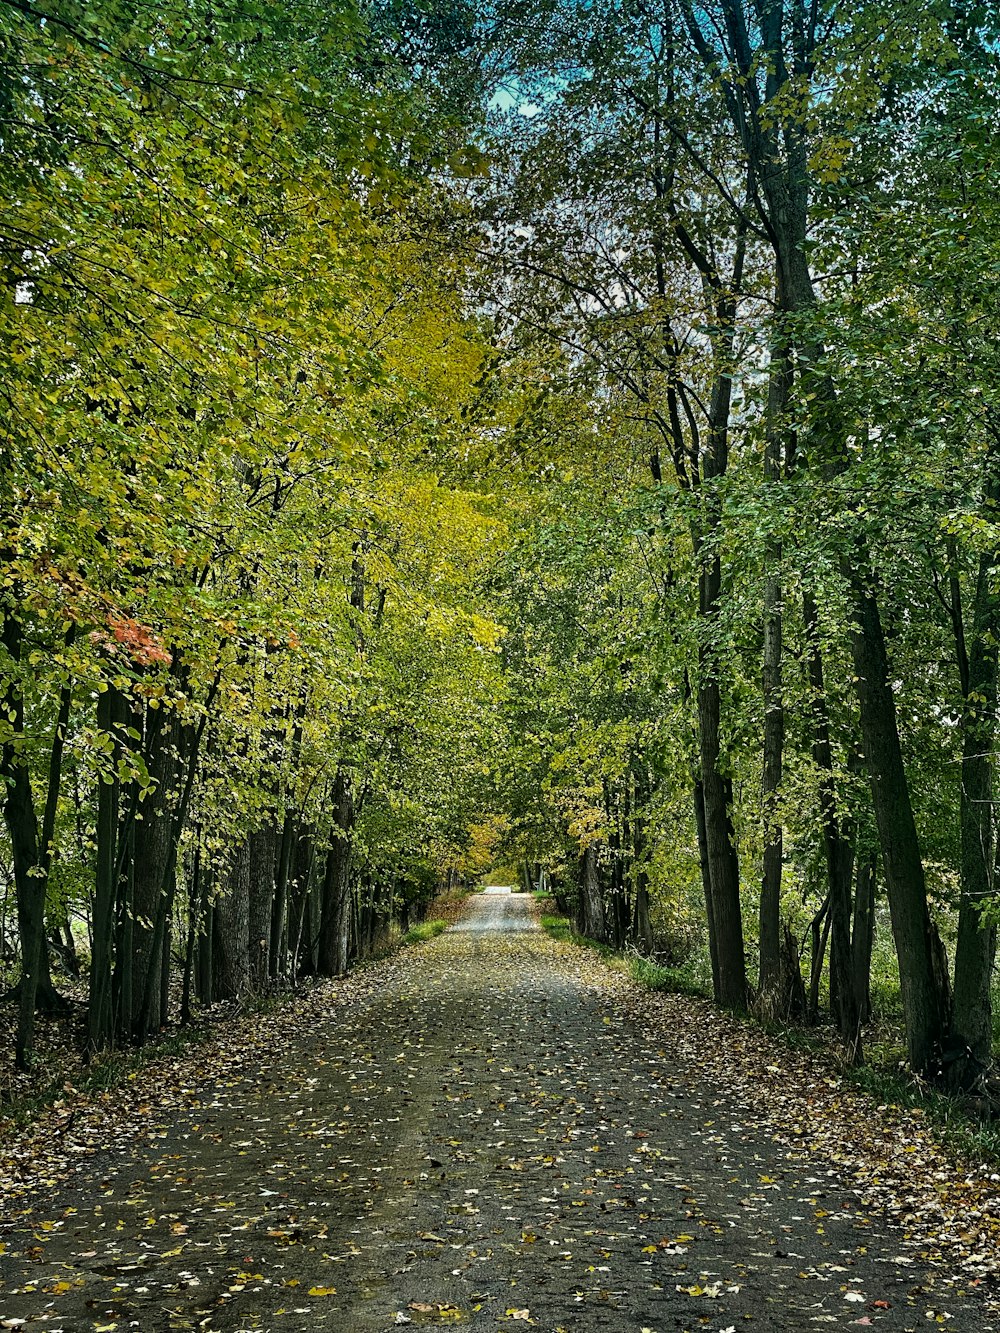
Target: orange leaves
x=139, y=641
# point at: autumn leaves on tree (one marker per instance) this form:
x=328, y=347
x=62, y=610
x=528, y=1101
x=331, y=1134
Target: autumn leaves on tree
x=573, y=417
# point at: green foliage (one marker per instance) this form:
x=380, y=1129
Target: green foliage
x=557, y=926
x=674, y=980
x=426, y=930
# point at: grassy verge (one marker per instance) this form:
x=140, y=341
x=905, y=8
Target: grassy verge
x=427, y=930
x=675, y=980
x=560, y=928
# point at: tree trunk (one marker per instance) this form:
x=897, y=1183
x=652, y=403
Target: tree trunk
x=819, y=929
x=231, y=939
x=193, y=921
x=152, y=849
x=206, y=934
x=31, y=854
x=262, y=849
x=279, y=910
x=590, y=896
x=334, y=927
x=837, y=847
x=706, y=879
x=642, y=927
x=725, y=917
x=770, y=999
x=110, y=713
x=299, y=886
x=925, y=1004
x=863, y=935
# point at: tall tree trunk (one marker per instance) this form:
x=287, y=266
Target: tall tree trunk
x=193, y=923
x=31, y=854
x=770, y=1000
x=334, y=931
x=591, y=900
x=231, y=939
x=642, y=924
x=262, y=847
x=706, y=879
x=837, y=846
x=152, y=849
x=110, y=713
x=925, y=1002
x=299, y=886
x=975, y=949
x=206, y=934
x=863, y=934
x=279, y=910
x=819, y=930
x=725, y=919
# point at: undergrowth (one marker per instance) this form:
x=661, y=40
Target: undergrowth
x=427, y=930
x=676, y=980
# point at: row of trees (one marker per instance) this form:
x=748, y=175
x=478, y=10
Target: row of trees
x=244, y=680
x=755, y=245
x=637, y=493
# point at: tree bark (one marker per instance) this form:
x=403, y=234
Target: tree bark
x=975, y=950
x=100, y=1032
x=152, y=849
x=334, y=927
x=231, y=939
x=863, y=935
x=262, y=850
x=31, y=853
x=770, y=1000
x=925, y=1005
x=590, y=896
x=837, y=846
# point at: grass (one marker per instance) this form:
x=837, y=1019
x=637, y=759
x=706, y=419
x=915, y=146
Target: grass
x=560, y=928
x=676, y=980
x=557, y=926
x=427, y=930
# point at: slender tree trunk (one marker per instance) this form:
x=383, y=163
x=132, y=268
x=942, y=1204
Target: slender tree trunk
x=642, y=927
x=206, y=935
x=299, y=886
x=110, y=713
x=819, y=929
x=193, y=924
x=770, y=1000
x=263, y=846
x=863, y=935
x=19, y=812
x=706, y=880
x=279, y=912
x=837, y=847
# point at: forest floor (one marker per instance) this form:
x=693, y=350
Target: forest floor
x=493, y=1130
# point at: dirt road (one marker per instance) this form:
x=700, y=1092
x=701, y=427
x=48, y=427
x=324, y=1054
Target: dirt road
x=483, y=1131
